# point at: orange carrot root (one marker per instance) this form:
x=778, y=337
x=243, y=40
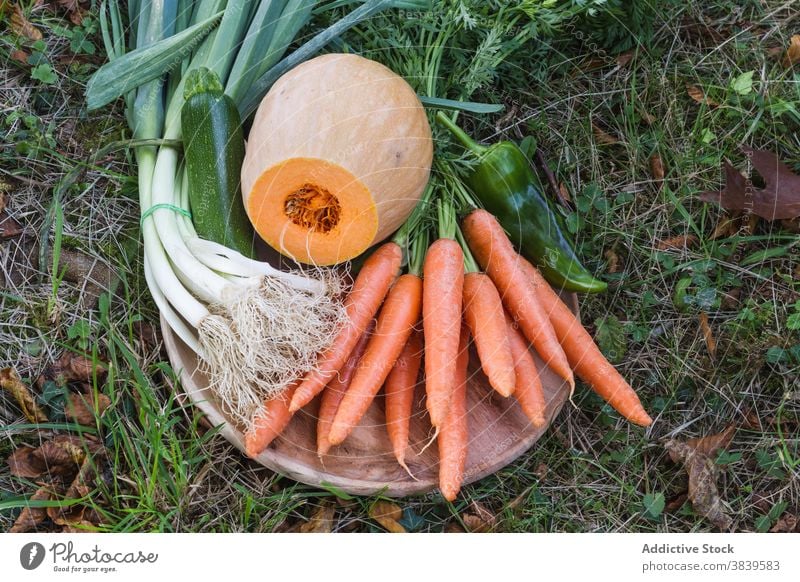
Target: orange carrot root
x=399, y=389
x=454, y=433
x=484, y=314
x=443, y=272
x=529, y=391
x=497, y=256
x=396, y=320
x=363, y=302
x=334, y=393
x=269, y=423
x=583, y=354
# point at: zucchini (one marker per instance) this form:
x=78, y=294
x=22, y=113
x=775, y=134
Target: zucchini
x=213, y=147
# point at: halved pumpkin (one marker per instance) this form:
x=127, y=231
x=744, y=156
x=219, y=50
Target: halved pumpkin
x=339, y=154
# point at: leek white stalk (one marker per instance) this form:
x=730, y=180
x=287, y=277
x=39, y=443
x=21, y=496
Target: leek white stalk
x=254, y=328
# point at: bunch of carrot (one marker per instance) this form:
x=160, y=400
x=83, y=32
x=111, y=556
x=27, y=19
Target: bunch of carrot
x=475, y=285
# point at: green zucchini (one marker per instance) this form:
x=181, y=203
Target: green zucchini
x=213, y=147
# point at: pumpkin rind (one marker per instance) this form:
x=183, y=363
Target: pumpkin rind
x=355, y=134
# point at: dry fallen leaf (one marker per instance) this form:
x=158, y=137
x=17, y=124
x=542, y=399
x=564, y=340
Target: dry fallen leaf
x=613, y=261
x=676, y=502
x=603, y=136
x=74, y=10
x=81, y=486
x=22, y=26
x=699, y=95
x=792, y=225
x=20, y=56
x=647, y=117
x=780, y=198
x=657, y=167
x=8, y=226
x=388, y=515
x=624, y=58
x=81, y=408
x=788, y=522
x=708, y=335
x=697, y=456
x=681, y=241
x=13, y=384
x=30, y=518
x=726, y=226
x=478, y=519
x=792, y=55
x=67, y=467
x=320, y=522
x=59, y=458
x=565, y=195
x=71, y=368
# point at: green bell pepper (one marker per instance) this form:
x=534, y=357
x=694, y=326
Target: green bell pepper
x=505, y=184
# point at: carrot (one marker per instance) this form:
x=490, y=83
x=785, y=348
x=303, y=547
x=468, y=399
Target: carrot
x=454, y=434
x=270, y=421
x=334, y=392
x=396, y=321
x=483, y=312
x=399, y=390
x=363, y=302
x=443, y=272
x=529, y=392
x=497, y=256
x=583, y=354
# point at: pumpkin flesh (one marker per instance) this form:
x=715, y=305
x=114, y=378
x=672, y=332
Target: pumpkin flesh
x=338, y=156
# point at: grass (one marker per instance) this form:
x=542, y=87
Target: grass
x=591, y=471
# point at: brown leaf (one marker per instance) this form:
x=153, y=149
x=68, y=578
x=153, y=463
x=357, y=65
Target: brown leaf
x=697, y=457
x=657, y=167
x=71, y=368
x=81, y=408
x=730, y=299
x=20, y=56
x=593, y=64
x=780, y=198
x=388, y=515
x=565, y=195
x=788, y=522
x=624, y=58
x=712, y=444
x=708, y=335
x=676, y=502
x=60, y=458
x=80, y=487
x=8, y=226
x=454, y=527
x=74, y=10
x=12, y=383
x=792, y=55
x=726, y=226
x=478, y=519
x=613, y=261
x=647, y=117
x=84, y=526
x=603, y=136
x=681, y=241
x=320, y=522
x=22, y=26
x=30, y=518
x=792, y=225
x=699, y=95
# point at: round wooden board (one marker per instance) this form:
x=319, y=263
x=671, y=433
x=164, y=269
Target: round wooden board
x=364, y=463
